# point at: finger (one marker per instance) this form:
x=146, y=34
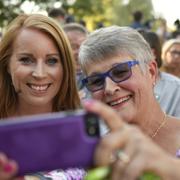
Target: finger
x=129, y=150
x=108, y=147
x=3, y=160
x=142, y=158
x=118, y=169
x=108, y=115
x=9, y=170
x=134, y=169
x=125, y=156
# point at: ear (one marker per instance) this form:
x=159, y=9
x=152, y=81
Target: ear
x=153, y=71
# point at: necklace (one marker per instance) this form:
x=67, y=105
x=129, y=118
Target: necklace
x=160, y=126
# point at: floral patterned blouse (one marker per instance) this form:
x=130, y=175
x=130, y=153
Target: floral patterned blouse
x=69, y=174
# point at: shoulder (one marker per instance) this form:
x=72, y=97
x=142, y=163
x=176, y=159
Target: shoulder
x=174, y=123
x=172, y=131
x=169, y=78
x=167, y=82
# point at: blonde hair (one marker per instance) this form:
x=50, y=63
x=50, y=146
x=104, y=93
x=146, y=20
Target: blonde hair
x=67, y=98
x=167, y=45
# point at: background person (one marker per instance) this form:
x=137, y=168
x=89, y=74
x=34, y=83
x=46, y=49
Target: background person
x=137, y=20
x=171, y=57
x=167, y=87
x=76, y=34
x=58, y=14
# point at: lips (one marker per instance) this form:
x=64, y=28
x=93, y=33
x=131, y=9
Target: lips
x=119, y=101
x=39, y=87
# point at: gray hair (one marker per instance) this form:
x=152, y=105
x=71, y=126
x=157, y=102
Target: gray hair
x=75, y=27
x=111, y=41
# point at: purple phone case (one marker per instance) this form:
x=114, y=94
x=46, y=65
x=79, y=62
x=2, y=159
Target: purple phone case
x=47, y=142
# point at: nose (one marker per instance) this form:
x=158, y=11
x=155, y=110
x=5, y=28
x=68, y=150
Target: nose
x=39, y=70
x=110, y=87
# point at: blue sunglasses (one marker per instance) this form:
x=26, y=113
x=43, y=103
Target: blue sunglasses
x=118, y=73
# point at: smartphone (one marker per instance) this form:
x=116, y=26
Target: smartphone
x=50, y=141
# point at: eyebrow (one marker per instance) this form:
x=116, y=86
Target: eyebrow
x=113, y=65
x=53, y=54
x=31, y=55
x=24, y=54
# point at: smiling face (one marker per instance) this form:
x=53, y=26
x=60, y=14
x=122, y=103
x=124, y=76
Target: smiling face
x=35, y=68
x=129, y=97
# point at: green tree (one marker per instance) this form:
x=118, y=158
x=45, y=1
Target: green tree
x=123, y=10
x=110, y=11
x=91, y=11
x=9, y=9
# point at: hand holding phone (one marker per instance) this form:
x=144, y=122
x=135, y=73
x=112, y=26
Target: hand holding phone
x=50, y=141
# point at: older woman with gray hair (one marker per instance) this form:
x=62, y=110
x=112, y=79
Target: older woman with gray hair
x=121, y=72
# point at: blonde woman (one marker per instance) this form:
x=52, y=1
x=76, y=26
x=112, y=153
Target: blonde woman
x=171, y=57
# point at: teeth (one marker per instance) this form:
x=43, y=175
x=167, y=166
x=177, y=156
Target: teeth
x=119, y=101
x=39, y=87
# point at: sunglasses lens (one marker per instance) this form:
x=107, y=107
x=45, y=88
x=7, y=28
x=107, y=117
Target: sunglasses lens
x=95, y=83
x=120, y=72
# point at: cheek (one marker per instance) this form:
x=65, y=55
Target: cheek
x=135, y=87
x=58, y=75
x=97, y=95
x=16, y=78
x=168, y=58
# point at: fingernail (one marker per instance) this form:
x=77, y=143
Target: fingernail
x=8, y=168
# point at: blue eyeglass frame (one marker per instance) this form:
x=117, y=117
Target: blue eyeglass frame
x=107, y=74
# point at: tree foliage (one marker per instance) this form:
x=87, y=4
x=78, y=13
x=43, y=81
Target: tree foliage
x=111, y=11
x=92, y=11
x=9, y=9
x=123, y=11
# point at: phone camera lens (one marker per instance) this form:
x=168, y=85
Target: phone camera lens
x=92, y=125
x=92, y=131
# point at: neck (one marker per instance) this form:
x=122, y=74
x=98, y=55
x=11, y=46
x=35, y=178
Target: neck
x=152, y=121
x=27, y=109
